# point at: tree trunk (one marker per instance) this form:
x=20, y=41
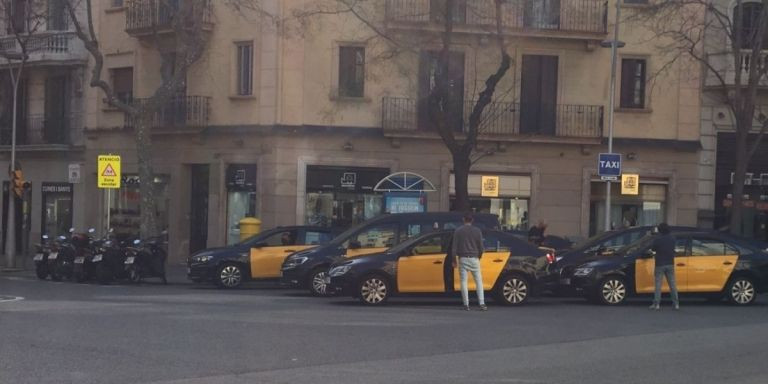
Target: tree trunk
x=147, y=191
x=742, y=160
x=461, y=166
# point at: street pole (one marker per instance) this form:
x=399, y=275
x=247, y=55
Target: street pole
x=611, y=103
x=10, y=224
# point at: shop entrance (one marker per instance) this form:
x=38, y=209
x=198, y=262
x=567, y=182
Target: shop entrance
x=342, y=196
x=510, y=204
x=57, y=209
x=241, y=198
x=646, y=208
x=198, y=210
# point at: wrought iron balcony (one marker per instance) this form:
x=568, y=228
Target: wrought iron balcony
x=188, y=113
x=726, y=66
x=403, y=116
x=43, y=131
x=147, y=17
x=571, y=19
x=47, y=48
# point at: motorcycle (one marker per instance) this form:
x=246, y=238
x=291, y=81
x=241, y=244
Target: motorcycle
x=41, y=258
x=146, y=259
x=110, y=259
x=61, y=261
x=83, y=268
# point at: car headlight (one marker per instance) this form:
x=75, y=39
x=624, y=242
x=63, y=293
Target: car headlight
x=202, y=259
x=293, y=262
x=583, y=271
x=338, y=271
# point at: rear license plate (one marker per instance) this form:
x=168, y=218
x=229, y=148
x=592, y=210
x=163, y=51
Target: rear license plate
x=97, y=258
x=79, y=260
x=53, y=255
x=38, y=257
x=129, y=260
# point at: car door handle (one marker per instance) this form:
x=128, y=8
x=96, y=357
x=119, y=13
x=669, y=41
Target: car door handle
x=437, y=262
x=681, y=265
x=498, y=260
x=727, y=263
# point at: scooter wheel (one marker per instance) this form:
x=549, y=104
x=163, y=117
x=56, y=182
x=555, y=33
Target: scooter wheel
x=134, y=276
x=41, y=270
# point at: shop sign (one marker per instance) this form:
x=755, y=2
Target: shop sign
x=746, y=204
x=630, y=184
x=109, y=172
x=56, y=188
x=404, y=204
x=489, y=186
x=349, y=180
x=74, y=173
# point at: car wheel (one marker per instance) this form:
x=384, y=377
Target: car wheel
x=513, y=290
x=317, y=285
x=229, y=276
x=41, y=270
x=373, y=290
x=612, y=291
x=741, y=291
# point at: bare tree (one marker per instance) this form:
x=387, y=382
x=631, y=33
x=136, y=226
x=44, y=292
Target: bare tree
x=706, y=31
x=181, y=40
x=22, y=20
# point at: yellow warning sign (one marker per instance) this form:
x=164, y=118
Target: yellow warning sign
x=109, y=171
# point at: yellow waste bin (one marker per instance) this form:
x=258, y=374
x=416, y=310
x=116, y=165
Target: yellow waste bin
x=249, y=226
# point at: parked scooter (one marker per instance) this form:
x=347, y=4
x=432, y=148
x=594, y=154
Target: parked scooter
x=41, y=258
x=61, y=262
x=146, y=259
x=110, y=259
x=83, y=268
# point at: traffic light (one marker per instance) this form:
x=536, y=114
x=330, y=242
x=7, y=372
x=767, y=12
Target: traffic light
x=18, y=183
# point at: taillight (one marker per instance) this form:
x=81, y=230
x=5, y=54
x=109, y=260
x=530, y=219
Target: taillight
x=551, y=257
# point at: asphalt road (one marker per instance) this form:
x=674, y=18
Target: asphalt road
x=181, y=333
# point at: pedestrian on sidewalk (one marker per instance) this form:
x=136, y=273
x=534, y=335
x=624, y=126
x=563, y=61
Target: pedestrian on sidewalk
x=664, y=248
x=467, y=249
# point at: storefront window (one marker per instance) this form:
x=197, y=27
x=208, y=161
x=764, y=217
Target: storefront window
x=646, y=208
x=57, y=209
x=125, y=207
x=342, y=196
x=511, y=205
x=241, y=198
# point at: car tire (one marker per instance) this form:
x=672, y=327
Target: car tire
x=316, y=282
x=612, y=290
x=229, y=276
x=103, y=274
x=741, y=290
x=513, y=289
x=373, y=290
x=41, y=270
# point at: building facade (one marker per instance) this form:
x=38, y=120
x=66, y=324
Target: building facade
x=297, y=124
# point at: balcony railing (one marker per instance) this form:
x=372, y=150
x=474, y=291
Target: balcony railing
x=402, y=115
x=43, y=130
x=572, y=16
x=726, y=65
x=47, y=47
x=179, y=114
x=149, y=16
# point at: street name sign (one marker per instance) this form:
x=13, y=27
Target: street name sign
x=109, y=172
x=609, y=166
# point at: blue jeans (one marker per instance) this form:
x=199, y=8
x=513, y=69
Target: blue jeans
x=471, y=264
x=659, y=273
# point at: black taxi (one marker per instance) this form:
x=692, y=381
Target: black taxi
x=256, y=258
x=512, y=269
x=309, y=269
x=707, y=263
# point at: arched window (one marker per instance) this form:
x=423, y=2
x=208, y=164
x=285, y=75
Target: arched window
x=751, y=14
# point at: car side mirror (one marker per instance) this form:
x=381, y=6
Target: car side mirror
x=354, y=244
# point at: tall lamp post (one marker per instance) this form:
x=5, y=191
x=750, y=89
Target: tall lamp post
x=614, y=44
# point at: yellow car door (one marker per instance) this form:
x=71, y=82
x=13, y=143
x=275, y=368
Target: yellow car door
x=711, y=263
x=645, y=266
x=492, y=263
x=267, y=261
x=422, y=268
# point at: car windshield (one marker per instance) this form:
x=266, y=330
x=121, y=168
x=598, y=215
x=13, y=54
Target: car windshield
x=592, y=240
x=636, y=246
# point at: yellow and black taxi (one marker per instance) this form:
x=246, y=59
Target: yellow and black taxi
x=256, y=258
x=512, y=269
x=309, y=269
x=707, y=263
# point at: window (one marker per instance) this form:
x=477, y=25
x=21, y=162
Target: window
x=245, y=69
x=430, y=246
x=57, y=15
x=316, y=238
x=17, y=14
x=750, y=22
x=382, y=236
x=635, y=1
x=351, y=71
x=707, y=247
x=117, y=3
x=493, y=243
x=438, y=10
x=633, y=83
x=280, y=239
x=122, y=83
